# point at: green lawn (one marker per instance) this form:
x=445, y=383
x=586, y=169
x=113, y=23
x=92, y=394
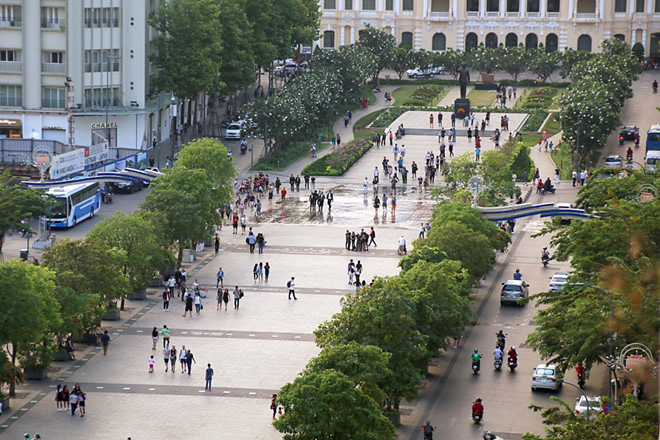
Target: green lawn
x=441, y=95
x=552, y=125
x=279, y=160
x=521, y=99
x=562, y=158
x=481, y=98
x=555, y=100
x=402, y=93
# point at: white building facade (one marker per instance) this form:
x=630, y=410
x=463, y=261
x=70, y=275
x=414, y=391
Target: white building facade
x=78, y=71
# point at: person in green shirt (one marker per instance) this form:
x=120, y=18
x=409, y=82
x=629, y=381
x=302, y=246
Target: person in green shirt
x=476, y=358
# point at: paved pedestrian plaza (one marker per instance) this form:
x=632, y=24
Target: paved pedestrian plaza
x=253, y=350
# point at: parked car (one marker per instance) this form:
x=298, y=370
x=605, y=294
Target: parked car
x=234, y=130
x=613, y=161
x=558, y=281
x=128, y=187
x=546, y=376
x=513, y=291
x=428, y=72
x=595, y=406
x=629, y=132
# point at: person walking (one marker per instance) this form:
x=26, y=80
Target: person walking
x=208, y=377
x=74, y=402
x=166, y=336
x=58, y=398
x=216, y=243
x=183, y=360
x=237, y=298
x=292, y=288
x=198, y=303
x=220, y=278
x=273, y=405
x=81, y=403
x=267, y=270
x=372, y=237
x=261, y=241
x=173, y=357
x=189, y=361
x=105, y=341
x=225, y=298
x=166, y=300
x=166, y=357
x=189, y=305
x=151, y=364
x=154, y=337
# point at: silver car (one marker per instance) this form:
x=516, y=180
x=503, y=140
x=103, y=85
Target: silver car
x=513, y=291
x=613, y=161
x=558, y=281
x=546, y=376
x=595, y=406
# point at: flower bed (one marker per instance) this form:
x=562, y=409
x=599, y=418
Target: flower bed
x=539, y=98
x=423, y=96
x=536, y=118
x=340, y=160
x=389, y=116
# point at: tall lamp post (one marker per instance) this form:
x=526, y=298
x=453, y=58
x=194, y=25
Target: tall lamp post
x=586, y=399
x=609, y=391
x=107, y=93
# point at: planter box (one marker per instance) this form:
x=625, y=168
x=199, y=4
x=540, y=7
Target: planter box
x=4, y=404
x=394, y=417
x=480, y=86
x=209, y=242
x=61, y=356
x=188, y=256
x=139, y=295
x=111, y=315
x=156, y=282
x=36, y=373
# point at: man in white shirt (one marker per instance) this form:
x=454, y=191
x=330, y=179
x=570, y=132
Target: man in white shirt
x=292, y=288
x=402, y=245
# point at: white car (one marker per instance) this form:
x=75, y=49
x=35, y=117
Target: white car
x=595, y=406
x=613, y=161
x=558, y=281
x=546, y=376
x=234, y=130
x=429, y=72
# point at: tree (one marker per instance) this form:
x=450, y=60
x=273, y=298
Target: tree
x=364, y=365
x=382, y=315
x=18, y=202
x=453, y=60
x=569, y=58
x=187, y=203
x=402, y=59
x=464, y=213
x=634, y=419
x=328, y=406
x=543, y=63
x=236, y=57
x=271, y=32
x=189, y=46
x=210, y=156
x=89, y=267
x=515, y=60
x=485, y=59
x=138, y=240
x=304, y=17
x=380, y=44
x=29, y=308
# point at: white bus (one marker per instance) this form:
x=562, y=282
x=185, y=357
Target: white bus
x=73, y=203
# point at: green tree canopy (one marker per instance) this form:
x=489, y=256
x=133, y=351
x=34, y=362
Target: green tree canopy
x=402, y=59
x=543, y=63
x=380, y=44
x=236, y=58
x=18, y=202
x=328, y=406
x=515, y=60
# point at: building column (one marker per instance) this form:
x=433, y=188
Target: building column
x=543, y=8
x=502, y=8
x=631, y=9
x=425, y=12
x=601, y=14
x=31, y=54
x=570, y=8
x=633, y=37
x=454, y=8
x=647, y=49
x=352, y=34
x=482, y=8
x=342, y=30
x=523, y=7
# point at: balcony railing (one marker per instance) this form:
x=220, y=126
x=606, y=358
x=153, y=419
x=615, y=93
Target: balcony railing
x=53, y=68
x=472, y=13
x=11, y=102
x=553, y=14
x=10, y=22
x=586, y=15
x=492, y=14
x=439, y=14
x=515, y=14
x=11, y=66
x=533, y=14
x=53, y=23
x=53, y=103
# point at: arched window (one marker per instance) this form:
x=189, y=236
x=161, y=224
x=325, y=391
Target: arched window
x=491, y=40
x=551, y=43
x=511, y=40
x=620, y=37
x=584, y=43
x=439, y=41
x=471, y=41
x=407, y=39
x=531, y=41
x=329, y=40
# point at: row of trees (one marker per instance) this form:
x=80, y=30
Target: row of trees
x=600, y=85
x=376, y=350
x=214, y=45
x=79, y=280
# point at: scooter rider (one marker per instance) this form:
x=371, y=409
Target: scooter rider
x=428, y=430
x=545, y=254
x=629, y=153
x=477, y=407
x=498, y=354
x=655, y=85
x=516, y=276
x=512, y=354
x=547, y=186
x=501, y=339
x=476, y=358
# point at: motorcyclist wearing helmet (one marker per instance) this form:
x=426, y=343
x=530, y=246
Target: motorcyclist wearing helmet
x=545, y=253
x=477, y=407
x=516, y=276
x=428, y=430
x=501, y=339
x=498, y=353
x=476, y=358
x=512, y=353
x=655, y=85
x=629, y=153
x=547, y=186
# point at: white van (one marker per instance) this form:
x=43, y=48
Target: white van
x=652, y=161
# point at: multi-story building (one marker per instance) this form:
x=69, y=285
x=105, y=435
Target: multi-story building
x=464, y=24
x=79, y=68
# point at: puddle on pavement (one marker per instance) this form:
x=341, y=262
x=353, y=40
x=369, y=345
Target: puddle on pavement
x=350, y=207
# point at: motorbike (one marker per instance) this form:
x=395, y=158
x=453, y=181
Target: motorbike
x=513, y=363
x=106, y=197
x=637, y=142
x=477, y=416
x=548, y=190
x=243, y=147
x=629, y=158
x=475, y=367
x=497, y=364
x=581, y=380
x=655, y=87
x=545, y=260
x=501, y=340
x=621, y=140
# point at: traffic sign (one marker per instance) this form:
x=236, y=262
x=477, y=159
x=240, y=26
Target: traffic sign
x=608, y=407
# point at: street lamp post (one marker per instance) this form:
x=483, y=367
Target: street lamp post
x=583, y=394
x=577, y=125
x=610, y=342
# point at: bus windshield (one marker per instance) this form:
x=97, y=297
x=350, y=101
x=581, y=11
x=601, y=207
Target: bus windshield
x=58, y=208
x=653, y=138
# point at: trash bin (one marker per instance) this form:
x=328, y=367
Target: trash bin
x=24, y=254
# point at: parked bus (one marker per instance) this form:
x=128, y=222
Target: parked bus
x=73, y=203
x=652, y=161
x=653, y=138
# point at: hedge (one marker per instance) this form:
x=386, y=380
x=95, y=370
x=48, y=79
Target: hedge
x=343, y=157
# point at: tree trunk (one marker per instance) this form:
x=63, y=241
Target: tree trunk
x=179, y=258
x=12, y=385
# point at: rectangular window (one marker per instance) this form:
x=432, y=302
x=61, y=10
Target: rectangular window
x=11, y=96
x=329, y=4
x=329, y=40
x=473, y=5
x=53, y=98
x=639, y=6
x=408, y=5
x=492, y=5
x=99, y=98
x=657, y=7
x=389, y=5
x=50, y=17
x=10, y=14
x=99, y=134
x=553, y=6
x=513, y=6
x=10, y=56
x=348, y=5
x=532, y=5
x=620, y=5
x=368, y=5
x=53, y=57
